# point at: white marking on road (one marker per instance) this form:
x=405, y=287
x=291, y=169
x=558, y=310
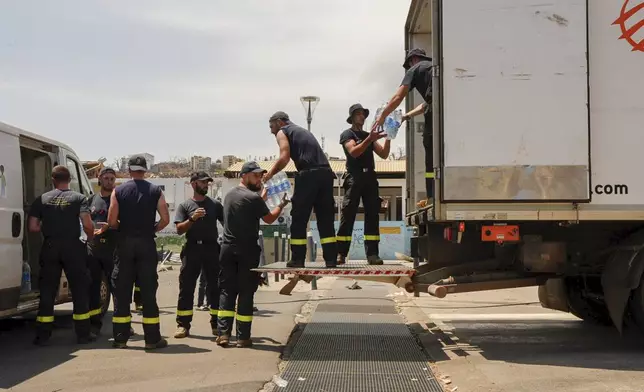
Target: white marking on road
x=503, y=316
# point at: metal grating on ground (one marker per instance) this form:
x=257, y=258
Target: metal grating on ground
x=368, y=350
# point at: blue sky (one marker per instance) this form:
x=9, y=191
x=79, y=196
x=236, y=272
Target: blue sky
x=185, y=77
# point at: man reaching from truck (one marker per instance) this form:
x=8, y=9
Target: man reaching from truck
x=418, y=76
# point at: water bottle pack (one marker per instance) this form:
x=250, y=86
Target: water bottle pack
x=276, y=187
x=392, y=122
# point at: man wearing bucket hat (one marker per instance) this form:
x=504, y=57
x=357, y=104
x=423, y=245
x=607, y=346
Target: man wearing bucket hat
x=418, y=67
x=361, y=183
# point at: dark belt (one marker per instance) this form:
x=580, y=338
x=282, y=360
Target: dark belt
x=312, y=169
x=363, y=170
x=202, y=242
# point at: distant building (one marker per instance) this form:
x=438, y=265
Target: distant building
x=149, y=158
x=199, y=163
x=228, y=160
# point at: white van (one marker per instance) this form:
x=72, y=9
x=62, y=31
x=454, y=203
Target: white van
x=26, y=161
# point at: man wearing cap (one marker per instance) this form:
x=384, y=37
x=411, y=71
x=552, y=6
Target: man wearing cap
x=133, y=209
x=55, y=214
x=313, y=188
x=361, y=183
x=240, y=252
x=197, y=218
x=418, y=76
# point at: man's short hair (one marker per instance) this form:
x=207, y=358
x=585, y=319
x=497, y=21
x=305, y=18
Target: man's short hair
x=61, y=173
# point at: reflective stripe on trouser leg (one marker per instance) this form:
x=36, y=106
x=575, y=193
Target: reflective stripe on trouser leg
x=324, y=211
x=350, y=204
x=188, y=276
x=298, y=249
x=245, y=312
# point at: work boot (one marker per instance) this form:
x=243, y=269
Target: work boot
x=86, y=339
x=374, y=260
x=223, y=340
x=119, y=344
x=295, y=264
x=330, y=264
x=342, y=259
x=155, y=346
x=181, y=333
x=427, y=203
x=244, y=343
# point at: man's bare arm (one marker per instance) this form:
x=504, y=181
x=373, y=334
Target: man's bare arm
x=164, y=213
x=88, y=225
x=382, y=150
x=285, y=155
x=113, y=212
x=415, y=111
x=394, y=102
x=34, y=224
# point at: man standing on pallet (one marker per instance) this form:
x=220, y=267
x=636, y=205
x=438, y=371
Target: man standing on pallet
x=133, y=209
x=240, y=252
x=418, y=67
x=313, y=188
x=361, y=182
x=197, y=218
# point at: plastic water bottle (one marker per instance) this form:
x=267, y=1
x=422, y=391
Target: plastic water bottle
x=26, y=278
x=392, y=122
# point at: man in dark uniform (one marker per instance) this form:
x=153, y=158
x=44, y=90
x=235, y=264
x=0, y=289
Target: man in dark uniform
x=197, y=218
x=243, y=208
x=56, y=214
x=418, y=76
x=313, y=188
x=100, y=251
x=361, y=182
x=133, y=208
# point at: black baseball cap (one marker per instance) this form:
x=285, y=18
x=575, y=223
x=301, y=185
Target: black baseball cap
x=417, y=52
x=137, y=163
x=251, y=167
x=106, y=170
x=355, y=107
x=200, y=176
x=279, y=116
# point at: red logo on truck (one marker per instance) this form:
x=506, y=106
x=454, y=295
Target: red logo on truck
x=628, y=33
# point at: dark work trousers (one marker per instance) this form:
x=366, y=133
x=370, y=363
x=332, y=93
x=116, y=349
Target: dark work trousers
x=136, y=258
x=360, y=185
x=197, y=256
x=237, y=284
x=428, y=144
x=100, y=260
x=69, y=256
x=203, y=289
x=137, y=293
x=313, y=191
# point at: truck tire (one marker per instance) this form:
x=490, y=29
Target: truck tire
x=105, y=294
x=587, y=309
x=636, y=306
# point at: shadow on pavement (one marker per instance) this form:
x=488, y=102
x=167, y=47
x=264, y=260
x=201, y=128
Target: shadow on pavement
x=568, y=343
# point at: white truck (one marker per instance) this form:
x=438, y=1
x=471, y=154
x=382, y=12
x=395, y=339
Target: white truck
x=26, y=161
x=538, y=119
x=538, y=127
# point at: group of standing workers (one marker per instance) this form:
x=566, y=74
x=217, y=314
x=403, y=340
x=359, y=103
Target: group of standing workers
x=120, y=225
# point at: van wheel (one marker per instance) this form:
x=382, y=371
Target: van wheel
x=587, y=309
x=636, y=306
x=105, y=294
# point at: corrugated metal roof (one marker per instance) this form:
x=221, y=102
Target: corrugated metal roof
x=381, y=166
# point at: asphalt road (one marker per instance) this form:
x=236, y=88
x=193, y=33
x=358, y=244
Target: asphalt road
x=504, y=341
x=192, y=364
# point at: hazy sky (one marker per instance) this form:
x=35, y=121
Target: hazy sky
x=185, y=77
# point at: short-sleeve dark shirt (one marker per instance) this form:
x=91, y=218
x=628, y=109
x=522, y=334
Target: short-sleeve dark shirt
x=306, y=152
x=364, y=161
x=138, y=200
x=98, y=207
x=205, y=228
x=419, y=77
x=59, y=212
x=243, y=209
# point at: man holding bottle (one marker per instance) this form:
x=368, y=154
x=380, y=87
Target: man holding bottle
x=361, y=183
